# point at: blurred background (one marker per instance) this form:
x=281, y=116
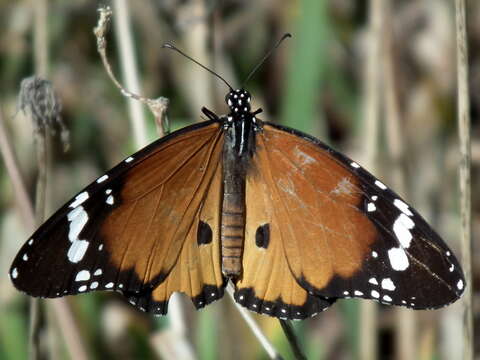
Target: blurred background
x=374, y=79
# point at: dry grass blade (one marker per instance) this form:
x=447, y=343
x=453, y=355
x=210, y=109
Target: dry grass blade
x=13, y=170
x=463, y=103
x=252, y=324
x=405, y=324
x=368, y=310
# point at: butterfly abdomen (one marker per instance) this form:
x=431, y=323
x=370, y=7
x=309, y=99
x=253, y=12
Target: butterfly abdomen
x=232, y=237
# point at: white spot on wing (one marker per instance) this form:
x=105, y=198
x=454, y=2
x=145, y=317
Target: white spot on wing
x=109, y=285
x=358, y=293
x=98, y=272
x=401, y=228
x=108, y=191
x=375, y=294
x=374, y=254
x=30, y=242
x=100, y=247
x=78, y=218
x=77, y=250
x=387, y=298
x=371, y=207
x=14, y=273
x=451, y=268
x=354, y=164
x=83, y=275
x=82, y=288
x=398, y=259
x=402, y=206
x=102, y=179
x=94, y=285
x=388, y=284
x=380, y=185
x=345, y=293
x=374, y=198
x=129, y=159
x=110, y=200
x=373, y=281
x=25, y=257
x=460, y=284
x=79, y=199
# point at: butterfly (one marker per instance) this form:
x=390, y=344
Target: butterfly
x=292, y=223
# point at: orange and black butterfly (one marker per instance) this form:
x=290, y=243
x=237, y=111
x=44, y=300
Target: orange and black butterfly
x=293, y=224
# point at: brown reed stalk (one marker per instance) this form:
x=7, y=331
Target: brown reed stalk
x=463, y=114
x=405, y=324
x=130, y=74
x=40, y=40
x=368, y=309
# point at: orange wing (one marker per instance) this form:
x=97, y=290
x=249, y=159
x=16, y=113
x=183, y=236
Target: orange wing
x=337, y=230
x=147, y=228
x=267, y=285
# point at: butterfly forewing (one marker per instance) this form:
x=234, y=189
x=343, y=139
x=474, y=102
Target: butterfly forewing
x=344, y=233
x=130, y=228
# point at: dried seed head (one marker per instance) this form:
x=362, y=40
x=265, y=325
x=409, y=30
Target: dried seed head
x=38, y=100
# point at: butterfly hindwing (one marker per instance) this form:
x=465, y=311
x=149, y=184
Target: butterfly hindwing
x=267, y=284
x=197, y=271
x=344, y=233
x=129, y=230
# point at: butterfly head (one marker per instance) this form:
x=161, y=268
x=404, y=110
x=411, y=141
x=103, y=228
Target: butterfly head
x=238, y=101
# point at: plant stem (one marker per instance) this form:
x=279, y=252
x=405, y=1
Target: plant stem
x=463, y=104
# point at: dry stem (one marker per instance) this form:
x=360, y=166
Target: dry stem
x=463, y=103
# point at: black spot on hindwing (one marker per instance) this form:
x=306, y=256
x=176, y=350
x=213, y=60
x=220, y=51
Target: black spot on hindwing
x=204, y=233
x=262, y=236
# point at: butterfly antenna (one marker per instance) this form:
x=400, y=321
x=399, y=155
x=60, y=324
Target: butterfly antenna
x=267, y=55
x=173, y=47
